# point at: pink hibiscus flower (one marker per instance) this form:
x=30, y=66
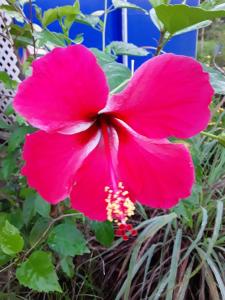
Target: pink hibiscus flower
x=107, y=151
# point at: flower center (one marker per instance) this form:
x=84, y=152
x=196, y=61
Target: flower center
x=119, y=209
x=119, y=205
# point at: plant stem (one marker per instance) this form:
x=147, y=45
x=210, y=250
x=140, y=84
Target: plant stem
x=40, y=239
x=104, y=24
x=47, y=230
x=160, y=43
x=210, y=135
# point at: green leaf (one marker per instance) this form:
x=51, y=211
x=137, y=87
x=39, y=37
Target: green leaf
x=122, y=48
x=29, y=210
x=116, y=73
x=12, y=12
x=67, y=266
x=174, y=265
x=38, y=229
x=217, y=79
x=125, y=4
x=57, y=13
x=67, y=240
x=46, y=37
x=155, y=3
x=178, y=17
x=38, y=274
x=4, y=258
x=17, y=137
x=221, y=139
x=11, y=242
x=104, y=232
x=194, y=27
x=90, y=20
x=8, y=166
x=7, y=81
x=103, y=58
x=41, y=206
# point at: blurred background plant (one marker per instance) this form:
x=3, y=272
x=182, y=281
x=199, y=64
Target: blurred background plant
x=53, y=252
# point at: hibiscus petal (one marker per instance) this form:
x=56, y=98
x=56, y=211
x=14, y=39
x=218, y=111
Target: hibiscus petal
x=88, y=195
x=156, y=172
x=168, y=95
x=52, y=159
x=65, y=91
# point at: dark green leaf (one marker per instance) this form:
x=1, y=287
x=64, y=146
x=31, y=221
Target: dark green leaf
x=8, y=166
x=67, y=240
x=122, y=48
x=29, y=210
x=38, y=229
x=11, y=242
x=67, y=266
x=41, y=206
x=104, y=232
x=38, y=274
x=17, y=137
x=178, y=17
x=4, y=258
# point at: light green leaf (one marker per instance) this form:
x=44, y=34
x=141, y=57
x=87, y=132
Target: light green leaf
x=116, y=73
x=126, y=4
x=194, y=27
x=174, y=265
x=155, y=19
x=11, y=242
x=7, y=81
x=41, y=206
x=12, y=12
x=103, y=58
x=98, y=13
x=217, y=80
x=67, y=240
x=122, y=48
x=178, y=17
x=38, y=274
x=90, y=20
x=57, y=13
x=104, y=232
x=46, y=37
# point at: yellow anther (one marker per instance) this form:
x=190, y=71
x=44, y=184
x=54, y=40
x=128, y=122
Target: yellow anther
x=119, y=204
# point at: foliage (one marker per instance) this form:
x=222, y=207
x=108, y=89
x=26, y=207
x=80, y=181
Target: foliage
x=45, y=248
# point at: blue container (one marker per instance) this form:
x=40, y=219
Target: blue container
x=141, y=31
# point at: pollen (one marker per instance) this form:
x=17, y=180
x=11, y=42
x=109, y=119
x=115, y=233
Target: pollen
x=119, y=209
